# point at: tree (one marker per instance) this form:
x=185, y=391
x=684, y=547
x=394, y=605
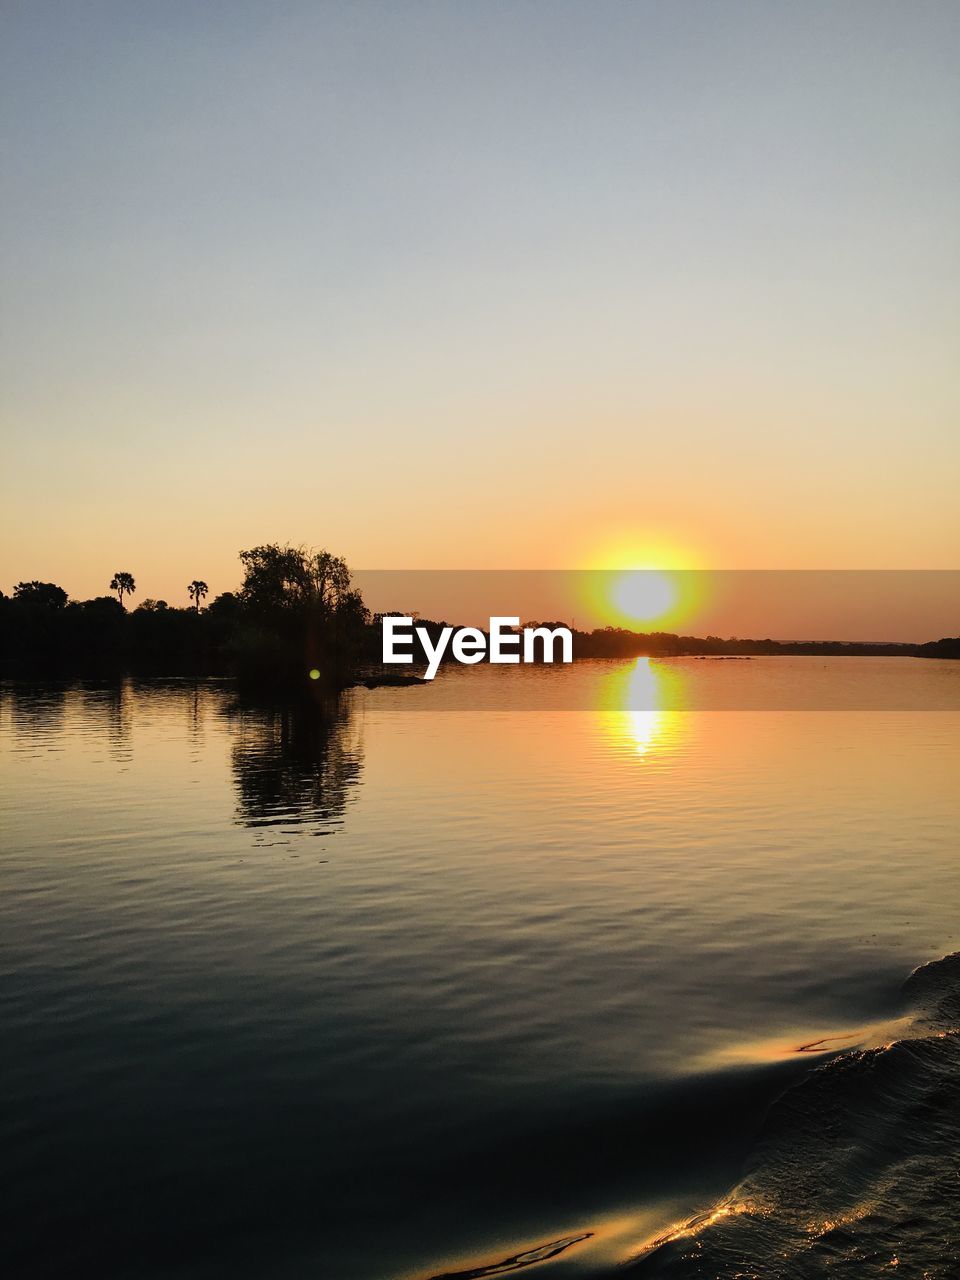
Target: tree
x=47, y=594
x=124, y=585
x=274, y=577
x=197, y=590
x=299, y=613
x=225, y=605
x=281, y=578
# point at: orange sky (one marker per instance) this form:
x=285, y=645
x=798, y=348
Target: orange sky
x=489, y=291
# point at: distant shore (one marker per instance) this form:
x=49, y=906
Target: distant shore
x=185, y=642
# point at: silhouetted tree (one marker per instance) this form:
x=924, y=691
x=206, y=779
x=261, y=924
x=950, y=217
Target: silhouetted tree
x=224, y=605
x=47, y=594
x=276, y=577
x=123, y=584
x=300, y=614
x=197, y=590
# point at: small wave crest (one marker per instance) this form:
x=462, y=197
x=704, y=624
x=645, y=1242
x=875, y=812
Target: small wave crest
x=857, y=1169
x=539, y=1253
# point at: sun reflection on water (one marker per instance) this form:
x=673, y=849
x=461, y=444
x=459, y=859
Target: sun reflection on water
x=643, y=705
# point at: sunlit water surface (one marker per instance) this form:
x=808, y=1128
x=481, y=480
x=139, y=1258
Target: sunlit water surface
x=382, y=993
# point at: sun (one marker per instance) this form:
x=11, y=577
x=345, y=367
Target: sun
x=644, y=595
x=643, y=583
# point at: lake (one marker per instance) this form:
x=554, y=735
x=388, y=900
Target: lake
x=587, y=967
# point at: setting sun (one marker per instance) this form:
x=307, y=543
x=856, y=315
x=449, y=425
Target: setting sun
x=644, y=595
x=647, y=580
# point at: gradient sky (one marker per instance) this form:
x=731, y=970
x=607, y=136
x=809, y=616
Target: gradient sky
x=478, y=285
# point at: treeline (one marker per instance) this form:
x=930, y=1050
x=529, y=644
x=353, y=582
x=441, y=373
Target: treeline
x=295, y=618
x=619, y=642
x=949, y=647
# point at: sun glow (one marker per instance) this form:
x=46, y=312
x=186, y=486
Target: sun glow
x=644, y=595
x=644, y=585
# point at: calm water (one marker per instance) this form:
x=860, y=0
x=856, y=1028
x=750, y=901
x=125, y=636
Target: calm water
x=380, y=994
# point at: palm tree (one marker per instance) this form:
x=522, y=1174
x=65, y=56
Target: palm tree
x=123, y=584
x=197, y=590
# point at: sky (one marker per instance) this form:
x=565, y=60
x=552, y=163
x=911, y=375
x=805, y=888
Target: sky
x=527, y=285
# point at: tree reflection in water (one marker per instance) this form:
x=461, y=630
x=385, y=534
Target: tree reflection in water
x=296, y=764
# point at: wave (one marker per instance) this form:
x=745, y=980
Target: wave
x=857, y=1170
x=539, y=1253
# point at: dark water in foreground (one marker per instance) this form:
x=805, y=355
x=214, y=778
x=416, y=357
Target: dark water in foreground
x=391, y=995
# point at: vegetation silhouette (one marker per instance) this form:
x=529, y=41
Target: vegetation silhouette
x=296, y=622
x=295, y=612
x=123, y=584
x=42, y=594
x=948, y=647
x=619, y=642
